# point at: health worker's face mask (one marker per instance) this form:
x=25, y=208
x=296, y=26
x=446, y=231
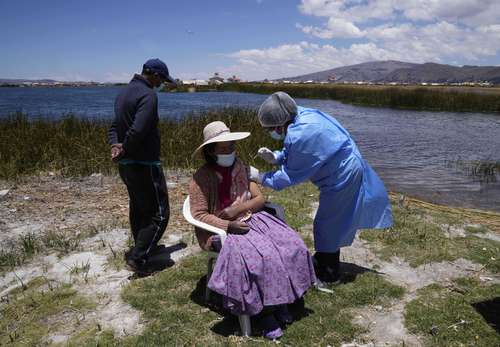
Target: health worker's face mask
x=226, y=160
x=275, y=135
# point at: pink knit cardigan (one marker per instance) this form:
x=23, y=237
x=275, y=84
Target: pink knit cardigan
x=204, y=200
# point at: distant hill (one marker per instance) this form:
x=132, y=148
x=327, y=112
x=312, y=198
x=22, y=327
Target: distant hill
x=21, y=81
x=403, y=72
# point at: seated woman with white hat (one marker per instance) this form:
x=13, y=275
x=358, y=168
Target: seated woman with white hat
x=263, y=264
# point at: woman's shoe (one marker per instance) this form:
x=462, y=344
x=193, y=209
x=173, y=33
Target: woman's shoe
x=273, y=334
x=271, y=328
x=283, y=315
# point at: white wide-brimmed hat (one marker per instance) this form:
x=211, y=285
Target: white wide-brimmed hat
x=218, y=132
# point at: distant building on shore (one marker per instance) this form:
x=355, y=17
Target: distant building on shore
x=215, y=80
x=233, y=79
x=195, y=82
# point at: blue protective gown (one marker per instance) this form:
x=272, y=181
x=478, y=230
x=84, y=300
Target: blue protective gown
x=352, y=196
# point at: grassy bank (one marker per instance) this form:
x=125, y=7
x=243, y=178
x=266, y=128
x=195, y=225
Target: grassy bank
x=405, y=97
x=73, y=146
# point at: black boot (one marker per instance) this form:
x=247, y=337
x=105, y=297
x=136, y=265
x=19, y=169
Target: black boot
x=327, y=266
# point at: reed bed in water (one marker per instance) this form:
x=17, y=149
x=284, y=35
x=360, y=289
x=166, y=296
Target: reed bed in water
x=456, y=99
x=74, y=146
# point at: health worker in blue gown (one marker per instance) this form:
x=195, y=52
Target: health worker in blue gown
x=319, y=149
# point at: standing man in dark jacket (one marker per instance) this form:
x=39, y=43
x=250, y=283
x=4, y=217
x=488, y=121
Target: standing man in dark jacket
x=135, y=144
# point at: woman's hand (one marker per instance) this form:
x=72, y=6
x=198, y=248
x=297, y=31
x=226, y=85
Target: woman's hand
x=237, y=227
x=231, y=212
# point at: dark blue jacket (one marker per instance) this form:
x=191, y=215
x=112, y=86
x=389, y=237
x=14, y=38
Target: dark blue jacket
x=136, y=121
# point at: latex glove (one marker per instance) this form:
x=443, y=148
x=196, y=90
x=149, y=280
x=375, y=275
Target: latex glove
x=268, y=155
x=255, y=175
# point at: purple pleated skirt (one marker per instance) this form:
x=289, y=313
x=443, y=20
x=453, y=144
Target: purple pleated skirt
x=269, y=265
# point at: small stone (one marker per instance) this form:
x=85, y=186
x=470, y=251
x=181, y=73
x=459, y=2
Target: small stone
x=434, y=330
x=3, y=193
x=26, y=198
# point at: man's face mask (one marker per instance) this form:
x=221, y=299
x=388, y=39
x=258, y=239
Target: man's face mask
x=226, y=160
x=161, y=83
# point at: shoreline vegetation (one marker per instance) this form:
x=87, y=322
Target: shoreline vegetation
x=73, y=146
x=425, y=98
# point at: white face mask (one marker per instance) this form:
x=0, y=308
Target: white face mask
x=277, y=136
x=226, y=160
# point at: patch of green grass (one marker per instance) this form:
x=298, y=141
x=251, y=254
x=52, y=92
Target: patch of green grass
x=445, y=316
x=61, y=241
x=29, y=244
x=420, y=240
x=93, y=336
x=296, y=201
x=115, y=259
x=24, y=319
x=172, y=302
x=476, y=229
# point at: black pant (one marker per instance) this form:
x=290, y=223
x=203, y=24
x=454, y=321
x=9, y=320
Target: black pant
x=327, y=266
x=149, y=209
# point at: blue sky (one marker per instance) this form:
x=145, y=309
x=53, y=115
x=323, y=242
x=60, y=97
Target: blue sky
x=254, y=39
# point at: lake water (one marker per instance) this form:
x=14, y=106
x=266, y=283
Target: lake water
x=431, y=155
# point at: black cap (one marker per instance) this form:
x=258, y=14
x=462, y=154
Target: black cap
x=159, y=67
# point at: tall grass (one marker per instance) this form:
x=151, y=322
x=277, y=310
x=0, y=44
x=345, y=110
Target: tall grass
x=407, y=97
x=73, y=146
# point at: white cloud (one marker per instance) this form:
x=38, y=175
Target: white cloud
x=466, y=31
x=334, y=28
x=290, y=60
x=467, y=11
x=344, y=17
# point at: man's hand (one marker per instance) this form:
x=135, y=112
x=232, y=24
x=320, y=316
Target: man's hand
x=117, y=151
x=237, y=227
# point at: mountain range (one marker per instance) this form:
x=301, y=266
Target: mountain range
x=403, y=72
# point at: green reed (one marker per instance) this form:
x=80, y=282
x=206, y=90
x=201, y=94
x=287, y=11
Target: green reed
x=74, y=146
x=407, y=97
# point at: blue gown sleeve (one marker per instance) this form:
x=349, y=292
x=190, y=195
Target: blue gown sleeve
x=280, y=156
x=306, y=149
